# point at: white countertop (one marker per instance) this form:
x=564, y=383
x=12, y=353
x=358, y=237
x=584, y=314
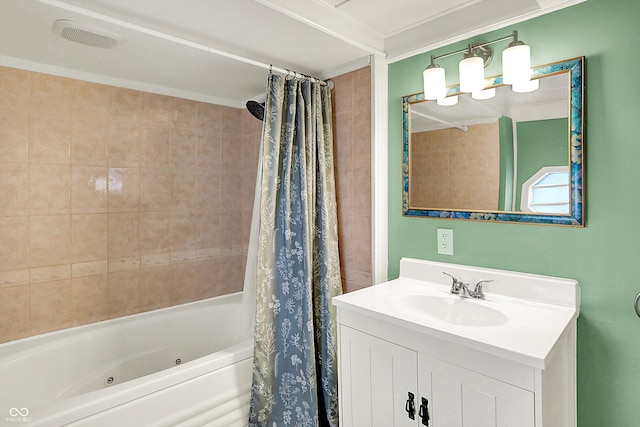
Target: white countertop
x=529, y=328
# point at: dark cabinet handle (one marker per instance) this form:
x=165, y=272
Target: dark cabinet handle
x=424, y=412
x=410, y=407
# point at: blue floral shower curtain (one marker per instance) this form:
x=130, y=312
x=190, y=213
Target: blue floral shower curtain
x=298, y=268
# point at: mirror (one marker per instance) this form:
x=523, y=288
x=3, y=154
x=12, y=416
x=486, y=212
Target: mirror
x=516, y=157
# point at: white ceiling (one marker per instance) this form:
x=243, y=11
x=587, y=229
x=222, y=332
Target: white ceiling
x=317, y=37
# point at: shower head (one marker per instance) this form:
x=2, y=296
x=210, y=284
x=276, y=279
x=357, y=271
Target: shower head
x=256, y=109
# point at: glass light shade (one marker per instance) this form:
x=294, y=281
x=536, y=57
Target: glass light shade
x=516, y=64
x=448, y=101
x=435, y=85
x=484, y=94
x=471, y=74
x=523, y=87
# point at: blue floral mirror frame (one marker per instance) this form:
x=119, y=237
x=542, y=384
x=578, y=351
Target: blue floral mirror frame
x=576, y=218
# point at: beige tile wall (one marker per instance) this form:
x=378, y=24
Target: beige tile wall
x=352, y=111
x=115, y=201
x=452, y=169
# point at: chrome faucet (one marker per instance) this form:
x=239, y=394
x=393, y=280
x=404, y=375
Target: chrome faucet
x=465, y=292
x=460, y=288
x=479, y=292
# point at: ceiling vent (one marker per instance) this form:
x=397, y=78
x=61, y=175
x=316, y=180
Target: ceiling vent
x=86, y=34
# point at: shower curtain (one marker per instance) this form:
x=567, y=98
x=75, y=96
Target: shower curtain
x=298, y=268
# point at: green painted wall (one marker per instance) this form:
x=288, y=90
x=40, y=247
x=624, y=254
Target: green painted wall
x=604, y=255
x=540, y=143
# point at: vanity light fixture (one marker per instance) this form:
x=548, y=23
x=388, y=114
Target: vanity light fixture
x=516, y=69
x=435, y=85
x=516, y=62
x=471, y=72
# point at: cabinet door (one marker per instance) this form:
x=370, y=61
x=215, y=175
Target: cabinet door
x=462, y=398
x=375, y=379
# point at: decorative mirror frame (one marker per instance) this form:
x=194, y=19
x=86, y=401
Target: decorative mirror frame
x=575, y=68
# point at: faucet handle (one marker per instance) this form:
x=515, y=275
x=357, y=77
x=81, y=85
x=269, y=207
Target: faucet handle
x=455, y=285
x=478, y=291
x=450, y=275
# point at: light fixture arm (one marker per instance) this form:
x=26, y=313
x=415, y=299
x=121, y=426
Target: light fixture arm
x=469, y=53
x=433, y=63
x=513, y=36
x=515, y=41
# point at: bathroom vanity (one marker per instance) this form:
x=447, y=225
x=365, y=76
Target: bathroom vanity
x=411, y=353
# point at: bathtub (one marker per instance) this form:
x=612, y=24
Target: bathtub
x=187, y=365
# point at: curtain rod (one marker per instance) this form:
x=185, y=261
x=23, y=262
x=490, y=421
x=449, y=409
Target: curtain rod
x=139, y=28
x=463, y=128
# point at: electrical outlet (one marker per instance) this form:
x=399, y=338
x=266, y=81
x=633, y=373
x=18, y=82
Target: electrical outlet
x=445, y=241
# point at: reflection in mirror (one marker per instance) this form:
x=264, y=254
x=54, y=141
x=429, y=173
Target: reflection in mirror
x=456, y=152
x=513, y=157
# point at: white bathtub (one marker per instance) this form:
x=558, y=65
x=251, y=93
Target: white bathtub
x=187, y=365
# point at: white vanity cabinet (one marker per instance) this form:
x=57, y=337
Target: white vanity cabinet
x=382, y=383
x=377, y=377
x=390, y=359
x=463, y=398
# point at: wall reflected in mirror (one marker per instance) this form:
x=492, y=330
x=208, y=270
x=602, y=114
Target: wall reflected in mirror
x=515, y=157
x=478, y=154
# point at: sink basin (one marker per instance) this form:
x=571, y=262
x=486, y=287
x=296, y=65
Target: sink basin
x=454, y=310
